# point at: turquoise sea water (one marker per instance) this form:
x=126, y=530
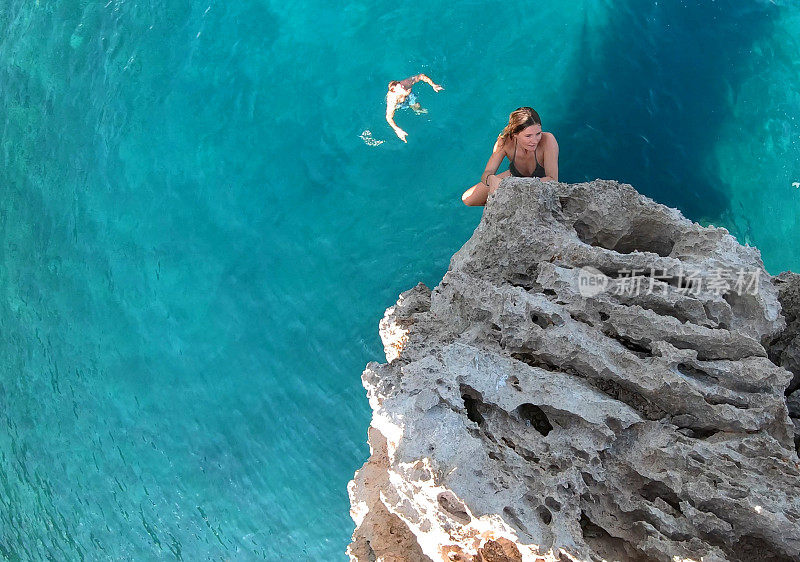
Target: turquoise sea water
x=198, y=242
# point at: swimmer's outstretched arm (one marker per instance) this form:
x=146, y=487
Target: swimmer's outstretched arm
x=391, y=107
x=424, y=78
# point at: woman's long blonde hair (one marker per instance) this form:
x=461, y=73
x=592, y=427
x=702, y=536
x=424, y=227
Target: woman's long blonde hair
x=519, y=119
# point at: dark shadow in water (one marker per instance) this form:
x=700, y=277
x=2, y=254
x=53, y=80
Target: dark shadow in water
x=653, y=94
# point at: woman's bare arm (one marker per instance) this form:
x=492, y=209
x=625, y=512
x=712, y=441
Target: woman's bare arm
x=498, y=153
x=551, y=159
x=477, y=194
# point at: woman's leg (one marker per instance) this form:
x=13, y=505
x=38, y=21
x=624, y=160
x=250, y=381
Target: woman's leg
x=477, y=195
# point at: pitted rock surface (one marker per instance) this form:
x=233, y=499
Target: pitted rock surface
x=525, y=415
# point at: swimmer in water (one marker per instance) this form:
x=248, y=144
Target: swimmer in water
x=400, y=96
x=531, y=153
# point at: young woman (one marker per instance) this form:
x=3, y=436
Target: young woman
x=531, y=154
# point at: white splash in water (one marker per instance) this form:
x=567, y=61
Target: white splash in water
x=796, y=184
x=366, y=136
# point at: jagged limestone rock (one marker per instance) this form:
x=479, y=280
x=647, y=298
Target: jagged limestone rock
x=784, y=349
x=570, y=391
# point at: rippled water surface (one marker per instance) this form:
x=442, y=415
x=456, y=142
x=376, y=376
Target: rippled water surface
x=201, y=228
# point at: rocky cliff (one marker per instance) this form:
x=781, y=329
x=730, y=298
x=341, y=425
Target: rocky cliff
x=595, y=378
